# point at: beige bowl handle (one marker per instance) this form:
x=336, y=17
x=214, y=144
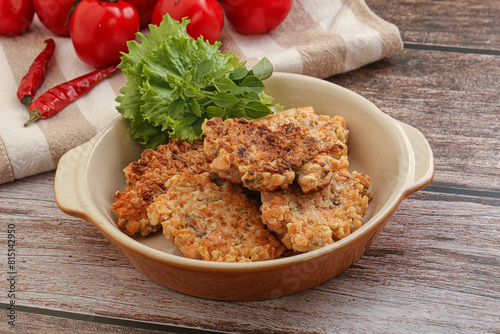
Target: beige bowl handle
x=68, y=182
x=423, y=159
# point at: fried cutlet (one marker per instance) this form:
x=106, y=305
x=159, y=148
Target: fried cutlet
x=305, y=222
x=270, y=153
x=209, y=218
x=146, y=179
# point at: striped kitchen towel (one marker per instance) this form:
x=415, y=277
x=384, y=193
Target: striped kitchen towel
x=319, y=38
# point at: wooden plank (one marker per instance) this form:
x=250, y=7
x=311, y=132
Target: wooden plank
x=66, y=265
x=435, y=264
x=426, y=269
x=464, y=24
x=50, y=322
x=452, y=98
x=434, y=267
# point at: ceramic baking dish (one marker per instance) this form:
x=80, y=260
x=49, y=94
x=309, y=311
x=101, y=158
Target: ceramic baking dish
x=396, y=156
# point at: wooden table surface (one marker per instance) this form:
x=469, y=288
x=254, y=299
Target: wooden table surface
x=434, y=268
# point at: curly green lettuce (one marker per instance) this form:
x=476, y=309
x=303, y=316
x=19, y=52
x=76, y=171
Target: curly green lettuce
x=175, y=82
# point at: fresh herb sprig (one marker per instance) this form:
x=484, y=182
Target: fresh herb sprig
x=175, y=82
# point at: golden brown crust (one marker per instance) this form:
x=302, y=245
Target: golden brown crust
x=270, y=153
x=330, y=132
x=146, y=179
x=296, y=159
x=213, y=221
x=305, y=222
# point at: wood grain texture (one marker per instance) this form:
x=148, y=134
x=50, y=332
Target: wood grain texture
x=463, y=24
x=452, y=98
x=425, y=263
x=433, y=269
x=35, y=323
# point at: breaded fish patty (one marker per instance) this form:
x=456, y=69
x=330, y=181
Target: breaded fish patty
x=270, y=153
x=213, y=220
x=146, y=179
x=305, y=222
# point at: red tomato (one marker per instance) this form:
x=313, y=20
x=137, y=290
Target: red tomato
x=256, y=16
x=207, y=16
x=53, y=14
x=16, y=16
x=145, y=10
x=100, y=30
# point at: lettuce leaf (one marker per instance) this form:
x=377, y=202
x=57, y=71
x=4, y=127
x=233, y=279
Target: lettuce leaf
x=175, y=82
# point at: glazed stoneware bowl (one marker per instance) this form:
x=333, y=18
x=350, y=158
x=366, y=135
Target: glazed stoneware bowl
x=396, y=156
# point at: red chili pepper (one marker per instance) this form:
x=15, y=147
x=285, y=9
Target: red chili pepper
x=32, y=81
x=55, y=99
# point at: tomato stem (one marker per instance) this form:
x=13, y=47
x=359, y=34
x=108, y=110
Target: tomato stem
x=76, y=4
x=72, y=10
